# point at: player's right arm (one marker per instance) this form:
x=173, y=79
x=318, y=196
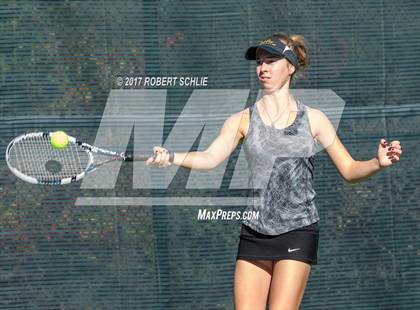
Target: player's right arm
x=228, y=138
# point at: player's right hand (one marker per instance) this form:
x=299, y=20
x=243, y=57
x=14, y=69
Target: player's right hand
x=160, y=158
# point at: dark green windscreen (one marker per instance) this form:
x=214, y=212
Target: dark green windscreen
x=60, y=59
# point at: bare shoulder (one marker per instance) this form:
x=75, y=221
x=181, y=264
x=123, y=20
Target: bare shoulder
x=240, y=121
x=315, y=114
x=321, y=127
x=317, y=120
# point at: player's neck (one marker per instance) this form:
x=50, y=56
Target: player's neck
x=277, y=102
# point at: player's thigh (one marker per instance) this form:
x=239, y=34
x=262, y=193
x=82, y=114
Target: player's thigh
x=288, y=284
x=252, y=283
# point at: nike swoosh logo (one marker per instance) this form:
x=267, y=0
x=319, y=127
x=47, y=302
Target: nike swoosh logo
x=292, y=250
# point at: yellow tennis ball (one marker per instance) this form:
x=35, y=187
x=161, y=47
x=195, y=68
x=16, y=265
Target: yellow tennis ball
x=59, y=140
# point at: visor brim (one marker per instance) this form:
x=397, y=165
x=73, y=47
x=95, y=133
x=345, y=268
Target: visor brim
x=251, y=53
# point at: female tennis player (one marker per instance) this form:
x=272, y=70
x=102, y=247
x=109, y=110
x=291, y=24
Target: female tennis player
x=276, y=251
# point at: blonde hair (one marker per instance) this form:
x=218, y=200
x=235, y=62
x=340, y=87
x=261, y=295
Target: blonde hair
x=298, y=45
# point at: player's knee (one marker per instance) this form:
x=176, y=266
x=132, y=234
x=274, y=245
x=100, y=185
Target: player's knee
x=284, y=305
x=250, y=305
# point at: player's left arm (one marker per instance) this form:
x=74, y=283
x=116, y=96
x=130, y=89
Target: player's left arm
x=351, y=170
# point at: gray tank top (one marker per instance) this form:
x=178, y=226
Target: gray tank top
x=281, y=164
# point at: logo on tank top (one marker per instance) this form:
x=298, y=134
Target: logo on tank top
x=292, y=250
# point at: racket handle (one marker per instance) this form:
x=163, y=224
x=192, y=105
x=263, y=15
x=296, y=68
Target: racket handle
x=130, y=156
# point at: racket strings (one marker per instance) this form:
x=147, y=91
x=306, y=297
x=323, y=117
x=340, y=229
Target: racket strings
x=35, y=157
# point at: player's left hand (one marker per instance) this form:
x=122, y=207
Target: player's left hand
x=388, y=153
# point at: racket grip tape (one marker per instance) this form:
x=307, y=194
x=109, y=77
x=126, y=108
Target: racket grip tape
x=130, y=156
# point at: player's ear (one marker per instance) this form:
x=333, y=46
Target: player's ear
x=291, y=68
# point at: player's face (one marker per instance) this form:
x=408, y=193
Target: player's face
x=273, y=71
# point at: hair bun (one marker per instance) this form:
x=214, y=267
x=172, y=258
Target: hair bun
x=298, y=45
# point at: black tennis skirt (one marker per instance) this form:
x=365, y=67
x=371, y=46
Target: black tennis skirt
x=299, y=244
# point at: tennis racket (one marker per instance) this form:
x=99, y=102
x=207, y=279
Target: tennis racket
x=32, y=158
